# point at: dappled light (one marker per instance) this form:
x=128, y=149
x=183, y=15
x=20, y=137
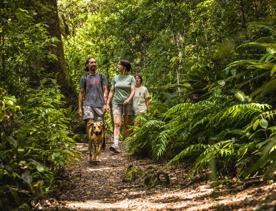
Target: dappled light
x=101, y=187
x=138, y=105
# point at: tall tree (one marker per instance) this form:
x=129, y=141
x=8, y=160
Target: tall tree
x=31, y=46
x=48, y=14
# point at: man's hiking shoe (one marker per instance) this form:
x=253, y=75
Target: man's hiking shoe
x=114, y=149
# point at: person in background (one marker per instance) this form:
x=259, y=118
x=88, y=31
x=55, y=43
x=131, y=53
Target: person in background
x=141, y=97
x=93, y=93
x=121, y=94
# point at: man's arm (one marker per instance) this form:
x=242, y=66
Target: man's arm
x=80, y=101
x=105, y=89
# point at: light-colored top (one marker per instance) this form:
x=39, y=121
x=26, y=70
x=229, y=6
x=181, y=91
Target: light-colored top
x=122, y=85
x=139, y=99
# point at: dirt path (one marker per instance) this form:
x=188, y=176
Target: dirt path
x=100, y=187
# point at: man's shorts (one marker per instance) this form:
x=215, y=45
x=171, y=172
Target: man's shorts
x=92, y=113
x=122, y=109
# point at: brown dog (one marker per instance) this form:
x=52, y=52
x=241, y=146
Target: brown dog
x=95, y=139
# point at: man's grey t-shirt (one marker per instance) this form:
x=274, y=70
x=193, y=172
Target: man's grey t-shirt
x=93, y=87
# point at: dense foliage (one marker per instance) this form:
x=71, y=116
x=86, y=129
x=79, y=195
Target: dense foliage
x=210, y=66
x=35, y=133
x=35, y=145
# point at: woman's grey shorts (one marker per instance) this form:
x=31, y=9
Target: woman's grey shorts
x=119, y=109
x=92, y=113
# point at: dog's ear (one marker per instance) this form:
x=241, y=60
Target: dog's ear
x=101, y=123
x=90, y=123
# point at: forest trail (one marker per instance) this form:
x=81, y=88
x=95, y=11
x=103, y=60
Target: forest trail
x=100, y=187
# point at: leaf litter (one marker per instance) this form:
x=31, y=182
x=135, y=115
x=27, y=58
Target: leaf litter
x=102, y=186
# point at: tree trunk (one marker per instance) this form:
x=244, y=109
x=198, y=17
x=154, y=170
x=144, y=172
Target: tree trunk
x=48, y=14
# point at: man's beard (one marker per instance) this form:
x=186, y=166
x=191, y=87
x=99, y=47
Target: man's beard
x=92, y=68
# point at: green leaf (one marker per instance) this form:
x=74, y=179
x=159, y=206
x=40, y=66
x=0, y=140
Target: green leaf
x=256, y=124
x=240, y=96
x=221, y=83
x=40, y=168
x=263, y=123
x=273, y=71
x=27, y=177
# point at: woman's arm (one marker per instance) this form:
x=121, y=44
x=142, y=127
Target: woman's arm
x=111, y=93
x=132, y=92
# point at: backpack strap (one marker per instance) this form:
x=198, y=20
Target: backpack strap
x=101, y=79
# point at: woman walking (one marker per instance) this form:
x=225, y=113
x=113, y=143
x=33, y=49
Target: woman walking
x=121, y=94
x=141, y=97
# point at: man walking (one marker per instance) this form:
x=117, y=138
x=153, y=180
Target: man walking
x=93, y=93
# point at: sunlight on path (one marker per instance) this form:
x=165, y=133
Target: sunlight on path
x=198, y=199
x=172, y=199
x=100, y=187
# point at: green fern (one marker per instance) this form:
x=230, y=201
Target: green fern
x=240, y=113
x=191, y=150
x=179, y=108
x=266, y=151
x=141, y=139
x=160, y=144
x=221, y=150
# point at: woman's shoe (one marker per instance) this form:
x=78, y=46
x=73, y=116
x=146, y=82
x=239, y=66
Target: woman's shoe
x=115, y=149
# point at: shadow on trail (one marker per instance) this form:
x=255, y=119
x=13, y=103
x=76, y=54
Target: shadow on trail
x=100, y=186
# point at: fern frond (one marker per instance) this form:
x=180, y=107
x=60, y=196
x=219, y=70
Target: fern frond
x=245, y=150
x=189, y=151
x=179, y=108
x=228, y=132
x=222, y=149
x=256, y=121
x=242, y=111
x=267, y=152
x=141, y=139
x=270, y=115
x=151, y=125
x=161, y=142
